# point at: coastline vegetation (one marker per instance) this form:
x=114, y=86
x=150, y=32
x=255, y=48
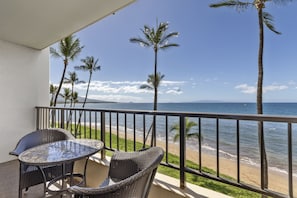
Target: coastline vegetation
x=128, y=145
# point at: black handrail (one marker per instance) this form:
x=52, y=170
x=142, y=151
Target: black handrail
x=57, y=117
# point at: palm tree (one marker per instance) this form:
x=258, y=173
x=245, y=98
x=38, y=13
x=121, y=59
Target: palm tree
x=267, y=19
x=188, y=127
x=75, y=98
x=153, y=84
x=89, y=65
x=53, y=91
x=69, y=49
x=73, y=79
x=66, y=95
x=158, y=39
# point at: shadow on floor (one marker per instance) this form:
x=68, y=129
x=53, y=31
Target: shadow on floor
x=9, y=174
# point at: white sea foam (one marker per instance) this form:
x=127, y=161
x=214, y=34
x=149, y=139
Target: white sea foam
x=206, y=148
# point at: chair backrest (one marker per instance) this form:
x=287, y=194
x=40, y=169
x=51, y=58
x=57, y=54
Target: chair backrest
x=130, y=175
x=39, y=137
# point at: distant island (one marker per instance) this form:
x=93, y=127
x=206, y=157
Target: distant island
x=82, y=99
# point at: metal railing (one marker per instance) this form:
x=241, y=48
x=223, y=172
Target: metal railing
x=130, y=130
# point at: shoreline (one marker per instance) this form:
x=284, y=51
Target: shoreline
x=249, y=174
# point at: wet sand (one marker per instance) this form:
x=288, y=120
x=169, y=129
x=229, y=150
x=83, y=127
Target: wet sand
x=249, y=174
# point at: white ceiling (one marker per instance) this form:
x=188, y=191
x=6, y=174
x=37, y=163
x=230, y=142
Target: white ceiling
x=40, y=23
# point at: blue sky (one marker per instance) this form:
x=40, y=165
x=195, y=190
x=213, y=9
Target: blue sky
x=216, y=59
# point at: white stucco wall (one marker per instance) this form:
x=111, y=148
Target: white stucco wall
x=24, y=84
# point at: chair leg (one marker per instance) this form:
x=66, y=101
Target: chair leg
x=20, y=178
x=20, y=192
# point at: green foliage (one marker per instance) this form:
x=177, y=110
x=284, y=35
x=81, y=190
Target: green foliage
x=188, y=126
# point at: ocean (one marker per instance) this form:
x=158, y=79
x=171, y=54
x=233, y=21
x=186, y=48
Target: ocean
x=275, y=133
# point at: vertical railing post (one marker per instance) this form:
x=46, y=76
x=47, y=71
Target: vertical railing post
x=262, y=154
x=166, y=138
x=144, y=136
x=200, y=146
x=134, y=131
x=37, y=118
x=153, y=140
x=155, y=131
x=238, y=150
x=182, y=150
x=62, y=118
x=103, y=133
x=218, y=147
x=290, y=171
x=53, y=117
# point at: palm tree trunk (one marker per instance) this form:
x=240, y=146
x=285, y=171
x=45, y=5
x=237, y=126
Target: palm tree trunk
x=72, y=88
x=61, y=82
x=155, y=76
x=85, y=100
x=264, y=164
x=58, y=92
x=71, y=103
x=153, y=141
x=87, y=92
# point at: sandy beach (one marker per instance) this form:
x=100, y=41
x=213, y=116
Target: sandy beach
x=249, y=174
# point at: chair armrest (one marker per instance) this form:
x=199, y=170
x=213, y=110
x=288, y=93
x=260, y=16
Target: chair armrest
x=13, y=153
x=18, y=149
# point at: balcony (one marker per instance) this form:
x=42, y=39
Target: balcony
x=164, y=186
x=132, y=130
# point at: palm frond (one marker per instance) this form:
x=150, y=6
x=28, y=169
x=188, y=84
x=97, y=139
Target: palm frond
x=140, y=41
x=167, y=37
x=238, y=5
x=146, y=86
x=54, y=53
x=169, y=45
x=268, y=21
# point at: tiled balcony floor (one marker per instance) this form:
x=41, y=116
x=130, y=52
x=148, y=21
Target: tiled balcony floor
x=164, y=186
x=9, y=174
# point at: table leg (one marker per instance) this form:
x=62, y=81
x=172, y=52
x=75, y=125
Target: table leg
x=85, y=171
x=44, y=179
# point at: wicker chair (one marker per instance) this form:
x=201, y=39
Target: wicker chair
x=30, y=175
x=130, y=176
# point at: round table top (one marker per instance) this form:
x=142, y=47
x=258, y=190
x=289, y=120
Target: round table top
x=60, y=152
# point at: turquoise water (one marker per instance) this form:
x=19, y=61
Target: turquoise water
x=275, y=133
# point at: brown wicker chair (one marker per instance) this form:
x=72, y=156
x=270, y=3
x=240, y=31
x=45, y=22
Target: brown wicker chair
x=130, y=176
x=30, y=175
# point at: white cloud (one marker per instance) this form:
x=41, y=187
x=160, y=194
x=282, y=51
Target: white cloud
x=274, y=88
x=120, y=91
x=244, y=88
x=116, y=87
x=173, y=91
x=116, y=98
x=172, y=83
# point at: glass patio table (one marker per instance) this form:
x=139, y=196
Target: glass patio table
x=61, y=153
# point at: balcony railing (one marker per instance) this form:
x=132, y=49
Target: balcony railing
x=228, y=135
